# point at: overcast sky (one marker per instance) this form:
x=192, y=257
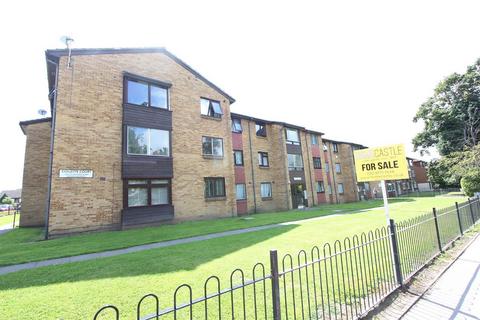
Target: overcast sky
x=355, y=70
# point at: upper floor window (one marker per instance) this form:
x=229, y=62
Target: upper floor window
x=295, y=162
x=338, y=168
x=263, y=159
x=146, y=94
x=241, y=191
x=314, y=139
x=340, y=188
x=145, y=141
x=317, y=163
x=214, y=187
x=237, y=125
x=292, y=136
x=261, y=129
x=238, y=157
x=335, y=147
x=327, y=168
x=325, y=148
x=212, y=146
x=210, y=108
x=320, y=186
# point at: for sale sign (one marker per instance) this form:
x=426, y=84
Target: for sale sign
x=381, y=163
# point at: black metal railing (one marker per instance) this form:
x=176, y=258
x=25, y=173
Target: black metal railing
x=343, y=280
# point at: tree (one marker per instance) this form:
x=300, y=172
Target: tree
x=452, y=115
x=471, y=183
x=7, y=200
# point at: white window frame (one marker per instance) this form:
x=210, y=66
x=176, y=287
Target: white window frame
x=267, y=196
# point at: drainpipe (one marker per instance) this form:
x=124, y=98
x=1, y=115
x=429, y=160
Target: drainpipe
x=332, y=168
x=309, y=169
x=50, y=160
x=253, y=170
x=355, y=182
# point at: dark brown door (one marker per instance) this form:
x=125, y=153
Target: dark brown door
x=298, y=198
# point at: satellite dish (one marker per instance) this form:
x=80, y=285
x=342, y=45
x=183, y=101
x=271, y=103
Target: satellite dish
x=42, y=112
x=66, y=40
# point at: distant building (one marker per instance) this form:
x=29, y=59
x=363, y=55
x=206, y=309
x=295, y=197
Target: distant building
x=15, y=195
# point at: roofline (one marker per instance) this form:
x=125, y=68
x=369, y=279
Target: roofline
x=55, y=54
x=22, y=124
x=345, y=142
x=285, y=124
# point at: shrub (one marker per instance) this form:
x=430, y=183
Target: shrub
x=471, y=183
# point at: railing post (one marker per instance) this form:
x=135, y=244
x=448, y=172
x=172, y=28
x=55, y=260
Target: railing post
x=437, y=230
x=396, y=253
x=459, y=220
x=471, y=211
x=275, y=284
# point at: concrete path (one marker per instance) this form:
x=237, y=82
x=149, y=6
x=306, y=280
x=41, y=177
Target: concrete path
x=5, y=228
x=163, y=244
x=456, y=295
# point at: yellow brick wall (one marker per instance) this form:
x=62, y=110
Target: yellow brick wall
x=35, y=174
x=89, y=136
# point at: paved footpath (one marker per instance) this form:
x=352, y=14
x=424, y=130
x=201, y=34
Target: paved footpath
x=163, y=244
x=456, y=295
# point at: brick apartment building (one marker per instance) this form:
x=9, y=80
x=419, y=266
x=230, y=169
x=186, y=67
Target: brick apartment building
x=138, y=137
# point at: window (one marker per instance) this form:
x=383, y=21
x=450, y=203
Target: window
x=148, y=192
x=329, y=188
x=338, y=168
x=210, y=108
x=266, y=190
x=295, y=162
x=241, y=191
x=237, y=125
x=238, y=157
x=146, y=94
x=151, y=142
x=292, y=136
x=320, y=187
x=314, y=139
x=263, y=159
x=214, y=187
x=212, y=146
x=327, y=167
x=340, y=188
x=325, y=148
x=317, y=163
x=261, y=129
x=335, y=147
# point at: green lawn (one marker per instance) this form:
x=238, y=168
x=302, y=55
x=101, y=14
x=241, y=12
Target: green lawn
x=77, y=290
x=8, y=219
x=26, y=244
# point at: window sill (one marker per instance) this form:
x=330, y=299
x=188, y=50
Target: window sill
x=239, y=132
x=216, y=199
x=264, y=167
x=320, y=191
x=262, y=137
x=267, y=199
x=239, y=165
x=210, y=118
x=206, y=156
x=241, y=200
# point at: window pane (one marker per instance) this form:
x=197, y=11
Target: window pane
x=266, y=190
x=159, y=195
x=241, y=192
x=236, y=125
x=340, y=188
x=207, y=145
x=216, y=107
x=292, y=135
x=137, y=140
x=137, y=197
x=137, y=93
x=238, y=155
x=218, y=147
x=157, y=181
x=133, y=182
x=219, y=188
x=159, y=142
x=158, y=97
x=204, y=105
x=338, y=168
x=314, y=139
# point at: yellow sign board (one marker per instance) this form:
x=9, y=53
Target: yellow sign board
x=382, y=163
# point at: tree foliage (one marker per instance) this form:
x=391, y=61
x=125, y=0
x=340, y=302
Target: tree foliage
x=7, y=200
x=471, y=183
x=452, y=115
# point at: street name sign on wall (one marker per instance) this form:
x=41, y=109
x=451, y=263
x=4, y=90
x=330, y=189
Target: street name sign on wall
x=381, y=163
x=75, y=173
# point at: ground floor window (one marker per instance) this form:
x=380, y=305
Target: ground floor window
x=340, y=188
x=320, y=187
x=214, y=187
x=266, y=190
x=148, y=192
x=241, y=191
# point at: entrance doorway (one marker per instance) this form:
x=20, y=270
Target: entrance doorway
x=298, y=195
